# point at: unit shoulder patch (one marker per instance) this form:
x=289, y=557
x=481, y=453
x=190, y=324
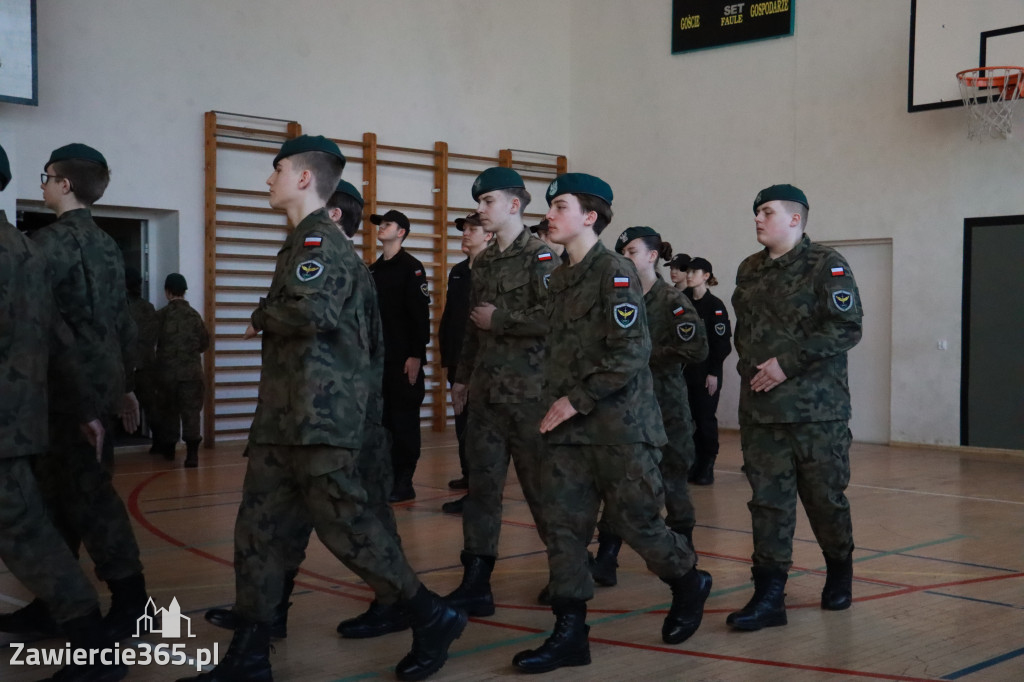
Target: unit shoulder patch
x=686, y=330
x=842, y=299
x=625, y=315
x=309, y=270
x=720, y=328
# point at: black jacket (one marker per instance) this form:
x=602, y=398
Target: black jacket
x=455, y=315
x=404, y=306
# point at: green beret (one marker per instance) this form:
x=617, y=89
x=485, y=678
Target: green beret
x=175, y=282
x=780, y=193
x=579, y=183
x=309, y=143
x=631, y=233
x=5, y=169
x=348, y=188
x=77, y=151
x=496, y=178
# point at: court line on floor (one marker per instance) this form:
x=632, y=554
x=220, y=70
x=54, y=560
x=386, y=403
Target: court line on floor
x=930, y=493
x=996, y=660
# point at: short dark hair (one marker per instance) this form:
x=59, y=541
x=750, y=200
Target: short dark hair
x=326, y=169
x=797, y=207
x=590, y=202
x=351, y=211
x=518, y=193
x=88, y=180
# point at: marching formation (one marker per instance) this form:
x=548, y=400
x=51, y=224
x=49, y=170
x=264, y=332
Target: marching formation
x=580, y=365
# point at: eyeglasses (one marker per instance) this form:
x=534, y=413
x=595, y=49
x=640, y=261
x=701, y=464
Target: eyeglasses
x=45, y=178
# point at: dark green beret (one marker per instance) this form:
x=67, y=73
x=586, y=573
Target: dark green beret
x=496, y=178
x=348, y=188
x=78, y=151
x=175, y=282
x=631, y=233
x=579, y=183
x=780, y=193
x=5, y=169
x=309, y=143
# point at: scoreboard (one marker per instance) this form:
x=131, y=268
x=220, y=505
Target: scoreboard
x=699, y=24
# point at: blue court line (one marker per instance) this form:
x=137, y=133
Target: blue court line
x=981, y=666
x=973, y=599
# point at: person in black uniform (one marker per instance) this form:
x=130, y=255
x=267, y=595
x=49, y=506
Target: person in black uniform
x=705, y=378
x=405, y=314
x=677, y=271
x=452, y=330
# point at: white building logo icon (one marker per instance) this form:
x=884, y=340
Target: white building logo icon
x=170, y=620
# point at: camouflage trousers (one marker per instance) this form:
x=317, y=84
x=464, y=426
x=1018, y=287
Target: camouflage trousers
x=83, y=504
x=575, y=480
x=783, y=461
x=495, y=433
x=34, y=551
x=178, y=404
x=289, y=488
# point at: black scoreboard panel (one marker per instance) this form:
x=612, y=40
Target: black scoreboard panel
x=699, y=24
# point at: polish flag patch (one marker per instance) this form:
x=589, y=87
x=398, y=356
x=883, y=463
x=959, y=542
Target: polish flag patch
x=838, y=272
x=313, y=240
x=620, y=281
x=544, y=256
x=678, y=311
x=719, y=313
x=417, y=273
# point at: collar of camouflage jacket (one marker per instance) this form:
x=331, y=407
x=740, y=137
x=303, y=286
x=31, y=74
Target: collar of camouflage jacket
x=786, y=259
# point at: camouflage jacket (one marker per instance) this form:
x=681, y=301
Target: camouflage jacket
x=503, y=365
x=678, y=337
x=88, y=279
x=33, y=340
x=802, y=308
x=598, y=349
x=148, y=326
x=320, y=323
x=182, y=337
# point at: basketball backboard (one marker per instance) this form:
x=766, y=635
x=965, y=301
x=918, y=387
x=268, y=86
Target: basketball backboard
x=947, y=36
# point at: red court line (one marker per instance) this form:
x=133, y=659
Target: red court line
x=138, y=515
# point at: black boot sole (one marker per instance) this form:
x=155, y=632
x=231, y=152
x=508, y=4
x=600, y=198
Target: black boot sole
x=576, y=660
x=753, y=626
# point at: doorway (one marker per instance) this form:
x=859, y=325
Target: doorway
x=992, y=328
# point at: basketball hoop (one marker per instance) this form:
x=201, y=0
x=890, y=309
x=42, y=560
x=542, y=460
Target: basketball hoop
x=990, y=93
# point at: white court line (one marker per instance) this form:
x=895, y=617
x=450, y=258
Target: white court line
x=933, y=494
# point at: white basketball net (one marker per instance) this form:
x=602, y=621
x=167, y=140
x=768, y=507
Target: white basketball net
x=989, y=94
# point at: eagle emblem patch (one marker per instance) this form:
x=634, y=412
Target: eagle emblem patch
x=842, y=299
x=309, y=270
x=720, y=328
x=424, y=291
x=686, y=330
x=625, y=315
x=547, y=279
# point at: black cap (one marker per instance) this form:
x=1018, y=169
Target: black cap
x=542, y=226
x=680, y=261
x=391, y=216
x=175, y=282
x=472, y=219
x=699, y=263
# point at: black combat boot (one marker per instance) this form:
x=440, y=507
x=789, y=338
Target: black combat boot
x=379, y=619
x=435, y=625
x=838, y=591
x=229, y=620
x=247, y=658
x=455, y=506
x=402, y=491
x=688, y=596
x=127, y=602
x=604, y=564
x=86, y=632
x=167, y=449
x=192, y=453
x=473, y=595
x=703, y=472
x=32, y=619
x=568, y=644
x=767, y=608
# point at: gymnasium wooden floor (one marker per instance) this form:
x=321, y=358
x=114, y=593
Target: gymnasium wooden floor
x=939, y=591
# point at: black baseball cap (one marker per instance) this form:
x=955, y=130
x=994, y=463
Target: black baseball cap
x=699, y=263
x=680, y=261
x=391, y=216
x=472, y=219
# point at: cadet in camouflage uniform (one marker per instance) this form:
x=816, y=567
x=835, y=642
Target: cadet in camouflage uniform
x=33, y=341
x=374, y=466
x=797, y=314
x=500, y=373
x=315, y=384
x=144, y=315
x=181, y=340
x=603, y=429
x=88, y=280
x=678, y=337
